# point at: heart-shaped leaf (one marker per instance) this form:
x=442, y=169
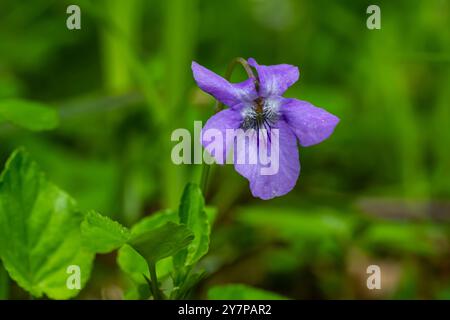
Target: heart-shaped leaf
x=40, y=235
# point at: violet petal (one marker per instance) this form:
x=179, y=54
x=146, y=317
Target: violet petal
x=221, y=121
x=310, y=124
x=270, y=186
x=276, y=79
x=228, y=93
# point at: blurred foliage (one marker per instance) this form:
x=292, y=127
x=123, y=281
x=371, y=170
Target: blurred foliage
x=29, y=115
x=122, y=83
x=241, y=292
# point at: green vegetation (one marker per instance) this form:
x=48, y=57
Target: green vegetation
x=87, y=179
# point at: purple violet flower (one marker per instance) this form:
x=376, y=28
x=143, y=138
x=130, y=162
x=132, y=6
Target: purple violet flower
x=251, y=105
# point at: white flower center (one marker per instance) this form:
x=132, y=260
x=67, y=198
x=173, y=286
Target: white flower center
x=262, y=114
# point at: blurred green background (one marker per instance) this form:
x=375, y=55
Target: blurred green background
x=377, y=192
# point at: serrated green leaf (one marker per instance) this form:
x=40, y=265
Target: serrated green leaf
x=101, y=234
x=29, y=114
x=241, y=292
x=40, y=233
x=162, y=242
x=192, y=213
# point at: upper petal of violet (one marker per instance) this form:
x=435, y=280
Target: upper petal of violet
x=228, y=93
x=276, y=79
x=310, y=124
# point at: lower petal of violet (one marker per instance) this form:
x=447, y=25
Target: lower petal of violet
x=285, y=168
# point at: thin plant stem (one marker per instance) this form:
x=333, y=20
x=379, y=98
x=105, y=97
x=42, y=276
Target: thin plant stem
x=204, y=178
x=154, y=281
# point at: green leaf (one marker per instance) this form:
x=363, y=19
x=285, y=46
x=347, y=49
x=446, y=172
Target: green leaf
x=28, y=114
x=153, y=221
x=162, y=242
x=164, y=266
x=101, y=234
x=241, y=292
x=211, y=212
x=40, y=234
x=192, y=213
x=138, y=292
x=185, y=289
x=133, y=264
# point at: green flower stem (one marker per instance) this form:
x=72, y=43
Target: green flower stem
x=154, y=281
x=204, y=178
x=219, y=106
